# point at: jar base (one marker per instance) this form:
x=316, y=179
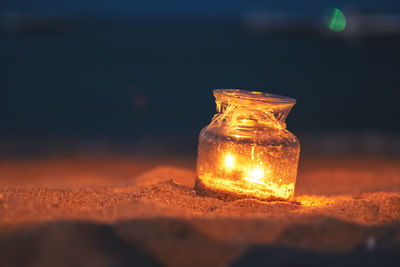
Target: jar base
x=225, y=195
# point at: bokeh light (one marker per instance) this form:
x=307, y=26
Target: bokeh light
x=335, y=19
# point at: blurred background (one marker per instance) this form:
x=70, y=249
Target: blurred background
x=136, y=77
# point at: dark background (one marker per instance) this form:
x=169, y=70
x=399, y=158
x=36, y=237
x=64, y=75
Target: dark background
x=137, y=76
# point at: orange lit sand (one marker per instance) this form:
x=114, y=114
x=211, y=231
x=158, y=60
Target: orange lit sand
x=117, y=211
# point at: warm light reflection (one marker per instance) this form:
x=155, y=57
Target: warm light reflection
x=246, y=151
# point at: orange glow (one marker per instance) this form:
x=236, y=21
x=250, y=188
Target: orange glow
x=318, y=201
x=246, y=150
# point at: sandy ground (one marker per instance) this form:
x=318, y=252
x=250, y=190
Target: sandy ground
x=130, y=211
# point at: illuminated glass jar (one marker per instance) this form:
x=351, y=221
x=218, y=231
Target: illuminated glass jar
x=246, y=151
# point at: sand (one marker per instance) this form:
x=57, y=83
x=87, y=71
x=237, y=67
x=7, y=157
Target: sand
x=130, y=211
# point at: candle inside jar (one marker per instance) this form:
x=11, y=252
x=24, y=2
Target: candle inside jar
x=255, y=176
x=246, y=151
x=229, y=161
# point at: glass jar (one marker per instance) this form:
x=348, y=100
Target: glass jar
x=246, y=151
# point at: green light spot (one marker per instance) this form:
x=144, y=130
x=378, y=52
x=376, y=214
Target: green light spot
x=335, y=20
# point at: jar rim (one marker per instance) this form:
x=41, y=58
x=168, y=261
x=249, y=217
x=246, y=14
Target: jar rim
x=253, y=96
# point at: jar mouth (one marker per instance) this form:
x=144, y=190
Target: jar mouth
x=245, y=95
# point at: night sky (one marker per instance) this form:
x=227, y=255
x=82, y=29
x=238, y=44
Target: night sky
x=123, y=69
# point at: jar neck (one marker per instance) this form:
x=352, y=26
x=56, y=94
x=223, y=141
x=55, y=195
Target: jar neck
x=249, y=113
x=239, y=116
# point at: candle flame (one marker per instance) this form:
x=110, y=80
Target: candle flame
x=229, y=161
x=255, y=176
